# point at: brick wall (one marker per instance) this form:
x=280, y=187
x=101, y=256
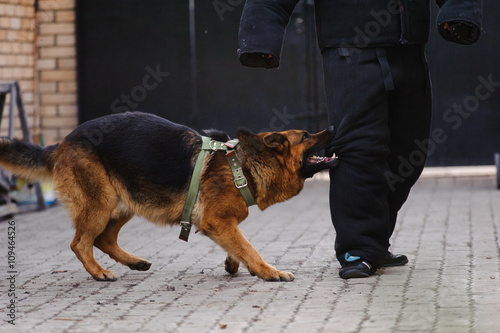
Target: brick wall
x=41, y=54
x=17, y=59
x=56, y=65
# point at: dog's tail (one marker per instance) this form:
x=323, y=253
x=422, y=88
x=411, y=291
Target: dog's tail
x=27, y=160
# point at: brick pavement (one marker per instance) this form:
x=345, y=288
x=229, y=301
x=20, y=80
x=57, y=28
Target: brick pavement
x=449, y=229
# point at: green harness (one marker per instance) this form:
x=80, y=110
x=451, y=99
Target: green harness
x=239, y=179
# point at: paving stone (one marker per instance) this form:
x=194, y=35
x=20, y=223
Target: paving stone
x=448, y=228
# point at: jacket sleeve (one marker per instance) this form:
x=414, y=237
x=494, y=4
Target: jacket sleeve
x=466, y=16
x=261, y=32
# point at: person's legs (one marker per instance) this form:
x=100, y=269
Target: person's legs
x=382, y=115
x=410, y=109
x=358, y=107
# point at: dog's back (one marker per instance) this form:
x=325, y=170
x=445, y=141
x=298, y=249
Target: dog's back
x=140, y=149
x=136, y=161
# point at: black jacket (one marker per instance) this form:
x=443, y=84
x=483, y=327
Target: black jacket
x=358, y=24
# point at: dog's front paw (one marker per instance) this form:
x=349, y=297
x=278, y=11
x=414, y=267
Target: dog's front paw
x=272, y=274
x=142, y=265
x=104, y=275
x=281, y=276
x=286, y=276
x=231, y=265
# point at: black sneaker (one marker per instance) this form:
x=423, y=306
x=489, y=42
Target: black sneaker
x=394, y=260
x=356, y=269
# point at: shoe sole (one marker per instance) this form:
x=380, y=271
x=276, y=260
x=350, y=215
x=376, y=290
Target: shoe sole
x=402, y=263
x=353, y=274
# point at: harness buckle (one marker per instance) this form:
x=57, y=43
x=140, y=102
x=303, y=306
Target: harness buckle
x=185, y=230
x=245, y=184
x=213, y=145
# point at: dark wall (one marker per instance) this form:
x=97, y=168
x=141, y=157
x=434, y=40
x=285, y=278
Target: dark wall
x=206, y=86
x=151, y=55
x=119, y=43
x=470, y=121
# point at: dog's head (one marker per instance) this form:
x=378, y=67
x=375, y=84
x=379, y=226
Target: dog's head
x=283, y=160
x=301, y=150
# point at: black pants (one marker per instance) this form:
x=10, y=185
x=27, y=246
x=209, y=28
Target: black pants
x=379, y=100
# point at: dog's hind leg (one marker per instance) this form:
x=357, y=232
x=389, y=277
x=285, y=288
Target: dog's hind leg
x=82, y=246
x=107, y=242
x=90, y=221
x=84, y=188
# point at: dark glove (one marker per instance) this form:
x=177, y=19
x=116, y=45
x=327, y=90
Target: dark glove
x=460, y=32
x=259, y=60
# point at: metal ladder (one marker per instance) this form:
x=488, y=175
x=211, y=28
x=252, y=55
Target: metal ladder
x=16, y=99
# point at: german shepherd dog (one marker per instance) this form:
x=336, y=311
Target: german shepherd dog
x=112, y=168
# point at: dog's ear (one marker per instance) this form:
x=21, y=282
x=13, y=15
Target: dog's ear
x=262, y=141
x=247, y=136
x=245, y=132
x=250, y=140
x=275, y=140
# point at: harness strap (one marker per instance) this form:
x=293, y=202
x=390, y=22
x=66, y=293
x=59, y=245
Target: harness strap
x=239, y=179
x=194, y=187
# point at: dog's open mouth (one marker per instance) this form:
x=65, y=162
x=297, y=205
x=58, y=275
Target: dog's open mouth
x=315, y=163
x=320, y=159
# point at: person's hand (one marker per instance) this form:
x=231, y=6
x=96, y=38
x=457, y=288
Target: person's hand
x=459, y=32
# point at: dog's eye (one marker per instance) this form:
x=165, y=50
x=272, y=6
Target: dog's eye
x=305, y=136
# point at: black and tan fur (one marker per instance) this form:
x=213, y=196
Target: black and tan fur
x=112, y=168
